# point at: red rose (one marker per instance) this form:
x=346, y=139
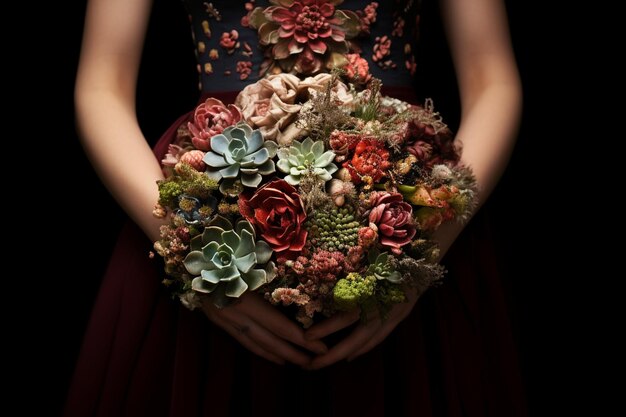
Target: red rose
x=277, y=212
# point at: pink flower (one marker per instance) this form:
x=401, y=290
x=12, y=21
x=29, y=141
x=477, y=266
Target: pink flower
x=270, y=105
x=244, y=68
x=229, y=41
x=368, y=16
x=194, y=158
x=357, y=69
x=210, y=119
x=393, y=217
x=382, y=48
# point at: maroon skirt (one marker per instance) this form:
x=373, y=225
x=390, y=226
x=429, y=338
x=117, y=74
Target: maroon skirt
x=146, y=355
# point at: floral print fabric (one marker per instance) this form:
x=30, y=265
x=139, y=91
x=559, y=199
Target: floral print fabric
x=238, y=42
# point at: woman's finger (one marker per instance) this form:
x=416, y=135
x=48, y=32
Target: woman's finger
x=273, y=320
x=333, y=324
x=271, y=343
x=359, y=337
x=398, y=314
x=240, y=334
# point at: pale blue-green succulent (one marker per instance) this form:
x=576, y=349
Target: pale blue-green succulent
x=240, y=153
x=228, y=261
x=306, y=157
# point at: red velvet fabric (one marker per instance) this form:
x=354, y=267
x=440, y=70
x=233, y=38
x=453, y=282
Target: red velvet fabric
x=145, y=355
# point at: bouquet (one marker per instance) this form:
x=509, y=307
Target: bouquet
x=319, y=193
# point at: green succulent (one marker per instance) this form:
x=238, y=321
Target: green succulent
x=223, y=260
x=353, y=291
x=381, y=269
x=306, y=157
x=240, y=153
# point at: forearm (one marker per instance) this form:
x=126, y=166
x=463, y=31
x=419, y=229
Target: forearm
x=486, y=138
x=120, y=154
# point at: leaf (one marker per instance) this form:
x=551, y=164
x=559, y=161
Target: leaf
x=214, y=160
x=394, y=277
x=209, y=278
x=255, y=278
x=212, y=234
x=252, y=181
x=245, y=263
x=284, y=165
x=291, y=180
x=257, y=18
x=231, y=238
x=318, y=149
x=195, y=262
x=226, y=274
x=258, y=158
x=246, y=242
x=222, y=222
x=267, y=168
x=200, y=285
x=231, y=171
x=219, y=144
x=255, y=141
x=324, y=159
x=263, y=252
x=236, y=287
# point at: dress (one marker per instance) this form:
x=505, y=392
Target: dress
x=146, y=355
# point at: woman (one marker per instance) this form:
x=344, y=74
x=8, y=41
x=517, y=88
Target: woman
x=143, y=355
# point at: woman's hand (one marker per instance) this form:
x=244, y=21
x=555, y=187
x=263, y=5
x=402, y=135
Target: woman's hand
x=264, y=330
x=363, y=338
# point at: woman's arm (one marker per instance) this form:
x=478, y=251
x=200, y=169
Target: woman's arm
x=491, y=102
x=105, y=106
x=490, y=91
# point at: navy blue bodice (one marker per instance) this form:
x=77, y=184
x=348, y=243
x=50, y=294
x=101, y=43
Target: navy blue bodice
x=230, y=55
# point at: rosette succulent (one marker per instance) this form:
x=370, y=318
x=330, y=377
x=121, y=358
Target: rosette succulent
x=393, y=218
x=277, y=212
x=240, y=153
x=306, y=157
x=305, y=35
x=228, y=261
x=381, y=269
x=209, y=119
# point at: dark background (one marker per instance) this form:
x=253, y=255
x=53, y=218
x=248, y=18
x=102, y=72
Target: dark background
x=167, y=88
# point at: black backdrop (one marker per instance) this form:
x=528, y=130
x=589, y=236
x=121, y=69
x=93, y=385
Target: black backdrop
x=167, y=89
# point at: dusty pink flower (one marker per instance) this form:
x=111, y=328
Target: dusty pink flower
x=368, y=16
x=393, y=218
x=210, y=119
x=173, y=155
x=357, y=69
x=244, y=68
x=398, y=27
x=367, y=237
x=270, y=105
x=229, y=41
x=382, y=48
x=194, y=158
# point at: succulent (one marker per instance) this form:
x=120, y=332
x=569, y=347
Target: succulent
x=224, y=259
x=353, y=291
x=335, y=229
x=306, y=157
x=240, y=153
x=381, y=269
